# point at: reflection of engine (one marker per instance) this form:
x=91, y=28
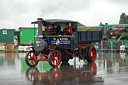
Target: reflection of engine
x=64, y=75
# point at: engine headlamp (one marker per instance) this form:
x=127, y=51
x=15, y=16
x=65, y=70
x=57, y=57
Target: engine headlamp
x=57, y=42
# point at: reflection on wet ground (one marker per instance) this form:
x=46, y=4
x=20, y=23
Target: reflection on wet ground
x=108, y=69
x=65, y=75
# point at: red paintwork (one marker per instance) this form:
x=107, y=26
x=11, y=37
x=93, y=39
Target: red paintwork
x=121, y=31
x=74, y=53
x=84, y=45
x=55, y=61
x=44, y=57
x=32, y=59
x=48, y=48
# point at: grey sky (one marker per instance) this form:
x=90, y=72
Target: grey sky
x=20, y=13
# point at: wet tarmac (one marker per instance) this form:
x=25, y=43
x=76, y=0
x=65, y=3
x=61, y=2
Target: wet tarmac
x=108, y=69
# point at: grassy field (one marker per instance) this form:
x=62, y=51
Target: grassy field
x=2, y=51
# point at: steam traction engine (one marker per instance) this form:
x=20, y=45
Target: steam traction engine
x=57, y=47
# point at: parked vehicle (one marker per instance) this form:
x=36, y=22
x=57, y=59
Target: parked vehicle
x=115, y=31
x=56, y=47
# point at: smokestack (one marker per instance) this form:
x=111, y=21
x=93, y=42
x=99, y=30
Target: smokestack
x=40, y=19
x=39, y=26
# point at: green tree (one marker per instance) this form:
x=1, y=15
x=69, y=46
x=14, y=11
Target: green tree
x=123, y=19
x=100, y=24
x=127, y=19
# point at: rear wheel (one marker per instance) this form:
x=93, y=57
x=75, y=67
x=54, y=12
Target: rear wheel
x=54, y=58
x=91, y=54
x=30, y=59
x=65, y=57
x=82, y=53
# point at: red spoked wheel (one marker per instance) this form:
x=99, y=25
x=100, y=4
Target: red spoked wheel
x=91, y=54
x=30, y=59
x=54, y=58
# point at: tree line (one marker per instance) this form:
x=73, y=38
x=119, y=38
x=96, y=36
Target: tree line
x=123, y=19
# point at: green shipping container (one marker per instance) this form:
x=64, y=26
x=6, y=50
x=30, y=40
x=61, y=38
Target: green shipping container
x=27, y=35
x=7, y=35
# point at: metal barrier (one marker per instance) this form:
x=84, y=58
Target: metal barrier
x=113, y=45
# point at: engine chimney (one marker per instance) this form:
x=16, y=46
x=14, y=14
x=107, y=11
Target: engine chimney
x=39, y=26
x=40, y=19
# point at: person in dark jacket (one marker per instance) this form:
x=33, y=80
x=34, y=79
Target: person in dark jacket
x=52, y=30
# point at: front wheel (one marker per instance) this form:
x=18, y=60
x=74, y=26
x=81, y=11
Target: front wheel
x=54, y=58
x=30, y=59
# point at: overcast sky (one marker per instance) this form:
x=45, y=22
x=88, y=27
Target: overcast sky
x=20, y=13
